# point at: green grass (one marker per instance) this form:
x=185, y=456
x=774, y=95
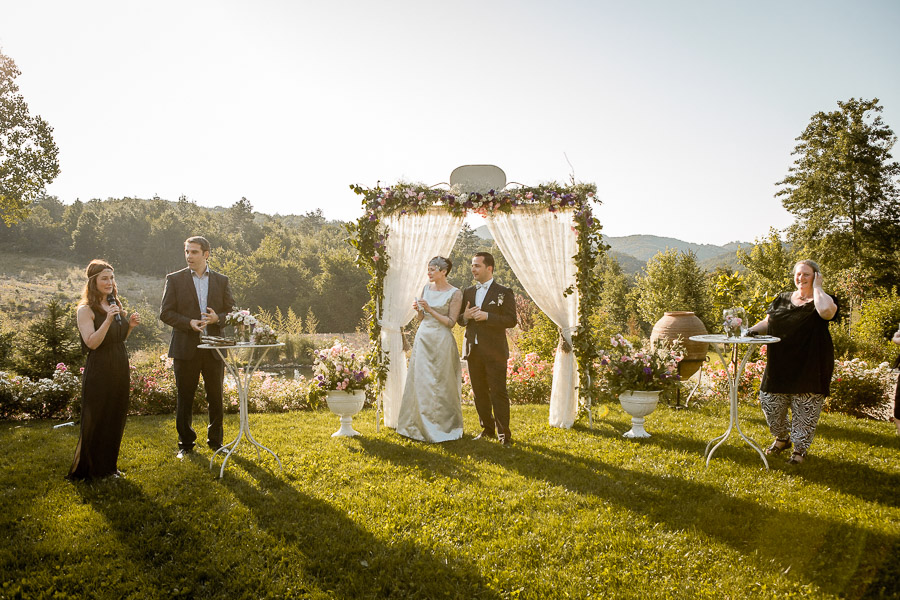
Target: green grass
x=574, y=513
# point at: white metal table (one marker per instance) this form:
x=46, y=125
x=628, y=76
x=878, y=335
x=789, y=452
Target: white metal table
x=241, y=361
x=734, y=380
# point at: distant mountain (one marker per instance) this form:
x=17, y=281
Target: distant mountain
x=633, y=251
x=644, y=247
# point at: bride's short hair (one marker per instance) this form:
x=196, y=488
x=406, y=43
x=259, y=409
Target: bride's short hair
x=443, y=264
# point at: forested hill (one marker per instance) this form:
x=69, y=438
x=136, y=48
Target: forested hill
x=633, y=251
x=298, y=262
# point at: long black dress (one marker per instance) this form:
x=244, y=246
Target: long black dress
x=104, y=403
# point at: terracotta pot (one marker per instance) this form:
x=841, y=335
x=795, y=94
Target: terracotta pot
x=683, y=324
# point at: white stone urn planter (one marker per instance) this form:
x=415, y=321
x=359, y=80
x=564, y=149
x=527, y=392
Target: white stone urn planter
x=345, y=405
x=638, y=404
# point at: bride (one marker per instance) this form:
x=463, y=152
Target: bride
x=430, y=410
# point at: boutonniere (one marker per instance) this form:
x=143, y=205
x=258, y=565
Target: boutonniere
x=500, y=300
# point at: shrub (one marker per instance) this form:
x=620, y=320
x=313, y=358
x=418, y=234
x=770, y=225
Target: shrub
x=11, y=386
x=45, y=398
x=529, y=379
x=153, y=390
x=541, y=339
x=50, y=340
x=878, y=320
x=298, y=349
x=856, y=388
x=845, y=347
x=270, y=394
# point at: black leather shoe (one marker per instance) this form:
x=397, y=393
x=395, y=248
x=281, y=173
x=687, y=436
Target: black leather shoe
x=214, y=447
x=485, y=434
x=505, y=440
x=183, y=452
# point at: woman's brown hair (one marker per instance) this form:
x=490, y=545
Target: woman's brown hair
x=90, y=295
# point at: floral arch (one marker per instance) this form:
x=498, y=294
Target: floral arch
x=550, y=238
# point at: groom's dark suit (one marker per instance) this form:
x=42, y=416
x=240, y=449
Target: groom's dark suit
x=179, y=305
x=486, y=352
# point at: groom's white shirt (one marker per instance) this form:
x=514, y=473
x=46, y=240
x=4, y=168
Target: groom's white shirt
x=481, y=292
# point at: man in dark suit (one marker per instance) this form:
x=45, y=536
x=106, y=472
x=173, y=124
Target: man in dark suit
x=490, y=309
x=193, y=301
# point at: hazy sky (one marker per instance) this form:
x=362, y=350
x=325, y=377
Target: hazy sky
x=683, y=113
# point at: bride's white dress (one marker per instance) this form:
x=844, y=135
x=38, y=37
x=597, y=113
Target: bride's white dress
x=431, y=409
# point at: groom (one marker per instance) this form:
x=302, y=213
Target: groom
x=490, y=309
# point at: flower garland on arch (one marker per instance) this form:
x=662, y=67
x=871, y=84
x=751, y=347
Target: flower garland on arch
x=368, y=236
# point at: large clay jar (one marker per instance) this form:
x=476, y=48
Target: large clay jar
x=683, y=324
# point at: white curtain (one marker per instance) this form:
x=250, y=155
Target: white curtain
x=412, y=241
x=539, y=246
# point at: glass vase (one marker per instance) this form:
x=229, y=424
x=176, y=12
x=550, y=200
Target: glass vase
x=734, y=321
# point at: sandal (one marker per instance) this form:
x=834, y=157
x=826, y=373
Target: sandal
x=776, y=449
x=796, y=459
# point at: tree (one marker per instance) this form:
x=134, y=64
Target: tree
x=28, y=154
x=50, y=340
x=672, y=282
x=769, y=265
x=843, y=190
x=615, y=299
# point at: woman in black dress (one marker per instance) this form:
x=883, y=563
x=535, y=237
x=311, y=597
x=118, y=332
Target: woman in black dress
x=799, y=367
x=106, y=380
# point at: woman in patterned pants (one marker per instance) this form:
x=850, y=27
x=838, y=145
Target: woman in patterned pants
x=799, y=367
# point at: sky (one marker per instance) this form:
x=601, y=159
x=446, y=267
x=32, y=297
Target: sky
x=684, y=114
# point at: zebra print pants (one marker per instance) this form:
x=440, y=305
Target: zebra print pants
x=805, y=409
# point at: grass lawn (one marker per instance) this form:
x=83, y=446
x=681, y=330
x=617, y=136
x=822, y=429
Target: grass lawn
x=574, y=513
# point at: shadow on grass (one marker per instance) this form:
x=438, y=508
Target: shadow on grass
x=838, y=557
x=337, y=555
x=853, y=479
x=887, y=439
x=425, y=458
x=179, y=557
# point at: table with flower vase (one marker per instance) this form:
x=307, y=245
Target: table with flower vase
x=734, y=379
x=241, y=360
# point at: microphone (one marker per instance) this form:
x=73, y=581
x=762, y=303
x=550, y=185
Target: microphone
x=112, y=302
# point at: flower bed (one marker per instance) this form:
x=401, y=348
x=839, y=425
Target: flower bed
x=859, y=389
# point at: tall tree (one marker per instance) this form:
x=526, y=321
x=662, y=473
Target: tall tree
x=28, y=154
x=769, y=265
x=673, y=282
x=843, y=189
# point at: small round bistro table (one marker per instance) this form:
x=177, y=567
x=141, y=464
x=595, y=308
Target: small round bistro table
x=719, y=342
x=241, y=362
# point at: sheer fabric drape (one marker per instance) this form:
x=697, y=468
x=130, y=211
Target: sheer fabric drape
x=539, y=246
x=412, y=241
